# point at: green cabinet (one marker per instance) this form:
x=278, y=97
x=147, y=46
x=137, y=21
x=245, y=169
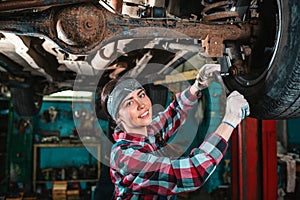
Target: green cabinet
x=17, y=137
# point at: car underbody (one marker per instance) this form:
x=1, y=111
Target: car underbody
x=46, y=46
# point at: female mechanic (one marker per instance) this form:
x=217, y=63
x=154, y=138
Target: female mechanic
x=138, y=168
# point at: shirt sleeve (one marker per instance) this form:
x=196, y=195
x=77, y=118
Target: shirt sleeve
x=146, y=173
x=168, y=121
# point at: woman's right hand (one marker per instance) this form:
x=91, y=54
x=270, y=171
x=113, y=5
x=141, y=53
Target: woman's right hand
x=205, y=75
x=237, y=108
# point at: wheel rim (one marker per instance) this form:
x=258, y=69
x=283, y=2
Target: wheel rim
x=259, y=70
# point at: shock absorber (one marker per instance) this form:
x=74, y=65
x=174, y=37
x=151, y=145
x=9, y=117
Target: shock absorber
x=221, y=10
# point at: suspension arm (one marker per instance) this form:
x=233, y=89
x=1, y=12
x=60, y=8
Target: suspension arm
x=83, y=28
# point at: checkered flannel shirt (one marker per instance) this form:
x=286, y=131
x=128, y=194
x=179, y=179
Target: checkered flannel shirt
x=141, y=172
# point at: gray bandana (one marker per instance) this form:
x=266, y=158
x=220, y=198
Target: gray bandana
x=118, y=94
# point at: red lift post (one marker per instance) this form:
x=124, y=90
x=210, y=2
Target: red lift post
x=254, y=160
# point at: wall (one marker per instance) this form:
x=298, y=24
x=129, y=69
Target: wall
x=293, y=129
x=63, y=125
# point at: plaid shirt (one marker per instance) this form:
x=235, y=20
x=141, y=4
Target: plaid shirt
x=139, y=168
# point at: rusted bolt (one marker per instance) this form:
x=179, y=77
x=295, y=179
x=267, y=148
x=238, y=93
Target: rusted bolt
x=89, y=24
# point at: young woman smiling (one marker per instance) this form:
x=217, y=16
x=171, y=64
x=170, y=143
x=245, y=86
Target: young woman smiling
x=139, y=170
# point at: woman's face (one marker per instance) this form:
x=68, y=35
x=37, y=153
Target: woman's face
x=135, y=111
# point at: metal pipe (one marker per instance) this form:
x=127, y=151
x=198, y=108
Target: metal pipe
x=30, y=4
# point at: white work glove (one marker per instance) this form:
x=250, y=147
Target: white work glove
x=237, y=108
x=205, y=75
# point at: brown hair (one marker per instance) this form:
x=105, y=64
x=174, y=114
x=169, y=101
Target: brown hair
x=106, y=90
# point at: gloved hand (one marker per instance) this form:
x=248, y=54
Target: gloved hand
x=237, y=108
x=205, y=75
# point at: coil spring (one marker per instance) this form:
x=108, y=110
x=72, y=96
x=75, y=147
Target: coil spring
x=218, y=11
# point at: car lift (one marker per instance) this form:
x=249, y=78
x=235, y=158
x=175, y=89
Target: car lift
x=254, y=160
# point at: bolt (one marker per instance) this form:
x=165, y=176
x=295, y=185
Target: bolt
x=89, y=24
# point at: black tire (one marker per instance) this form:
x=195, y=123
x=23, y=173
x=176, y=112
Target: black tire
x=25, y=101
x=273, y=85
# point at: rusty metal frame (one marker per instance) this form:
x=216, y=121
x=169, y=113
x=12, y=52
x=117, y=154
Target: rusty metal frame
x=83, y=28
x=31, y=4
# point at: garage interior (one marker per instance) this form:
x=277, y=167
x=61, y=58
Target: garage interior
x=44, y=153
x=62, y=151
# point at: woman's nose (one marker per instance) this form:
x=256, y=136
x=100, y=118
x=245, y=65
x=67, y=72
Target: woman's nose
x=140, y=104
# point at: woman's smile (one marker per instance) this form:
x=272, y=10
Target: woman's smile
x=144, y=115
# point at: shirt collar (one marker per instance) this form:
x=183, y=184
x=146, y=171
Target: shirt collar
x=120, y=135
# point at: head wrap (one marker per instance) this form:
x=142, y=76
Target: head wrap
x=118, y=94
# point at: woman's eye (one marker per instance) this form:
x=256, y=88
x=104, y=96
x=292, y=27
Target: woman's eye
x=129, y=103
x=142, y=95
